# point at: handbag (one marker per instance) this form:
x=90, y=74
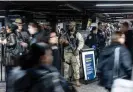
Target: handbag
x=119, y=84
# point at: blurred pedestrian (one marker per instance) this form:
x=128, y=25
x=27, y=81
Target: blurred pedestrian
x=106, y=71
x=40, y=75
x=125, y=27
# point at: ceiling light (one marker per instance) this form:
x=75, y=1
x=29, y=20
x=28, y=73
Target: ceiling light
x=119, y=17
x=73, y=7
x=108, y=5
x=120, y=13
x=2, y=16
x=109, y=18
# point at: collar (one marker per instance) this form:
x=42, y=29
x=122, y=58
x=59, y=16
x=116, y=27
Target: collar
x=34, y=35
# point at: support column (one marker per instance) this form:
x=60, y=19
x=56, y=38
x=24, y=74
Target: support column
x=53, y=22
x=84, y=22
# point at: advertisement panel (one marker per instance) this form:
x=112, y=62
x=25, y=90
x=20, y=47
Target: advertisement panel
x=88, y=60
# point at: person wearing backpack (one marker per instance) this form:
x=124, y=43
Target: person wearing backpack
x=106, y=71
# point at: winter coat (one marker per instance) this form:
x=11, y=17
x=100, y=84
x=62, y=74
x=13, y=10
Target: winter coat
x=22, y=36
x=129, y=41
x=40, y=36
x=40, y=79
x=9, y=57
x=106, y=64
x=101, y=39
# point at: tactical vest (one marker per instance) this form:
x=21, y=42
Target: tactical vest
x=74, y=43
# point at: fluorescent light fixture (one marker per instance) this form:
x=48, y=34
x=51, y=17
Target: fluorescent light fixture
x=2, y=16
x=109, y=18
x=120, y=13
x=119, y=17
x=73, y=7
x=112, y=13
x=108, y=5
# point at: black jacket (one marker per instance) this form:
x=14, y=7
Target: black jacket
x=101, y=39
x=9, y=49
x=40, y=79
x=106, y=64
x=129, y=41
x=22, y=36
x=91, y=40
x=40, y=36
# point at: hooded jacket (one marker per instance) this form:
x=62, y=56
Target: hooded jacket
x=106, y=64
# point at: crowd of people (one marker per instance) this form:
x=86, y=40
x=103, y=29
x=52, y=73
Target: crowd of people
x=32, y=56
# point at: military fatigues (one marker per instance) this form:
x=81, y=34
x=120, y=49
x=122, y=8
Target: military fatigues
x=71, y=59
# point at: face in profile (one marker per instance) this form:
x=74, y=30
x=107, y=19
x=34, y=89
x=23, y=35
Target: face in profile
x=122, y=39
x=100, y=26
x=53, y=38
x=8, y=29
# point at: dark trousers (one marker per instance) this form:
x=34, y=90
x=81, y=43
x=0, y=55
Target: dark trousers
x=109, y=89
x=57, y=59
x=8, y=69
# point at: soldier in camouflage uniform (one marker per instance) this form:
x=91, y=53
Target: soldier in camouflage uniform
x=74, y=43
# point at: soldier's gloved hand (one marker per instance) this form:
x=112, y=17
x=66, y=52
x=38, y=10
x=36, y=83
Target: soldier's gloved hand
x=76, y=52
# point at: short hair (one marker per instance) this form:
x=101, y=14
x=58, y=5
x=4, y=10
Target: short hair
x=116, y=35
x=94, y=28
x=11, y=26
x=35, y=25
x=126, y=24
x=99, y=23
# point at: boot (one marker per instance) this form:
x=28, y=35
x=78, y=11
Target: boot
x=78, y=84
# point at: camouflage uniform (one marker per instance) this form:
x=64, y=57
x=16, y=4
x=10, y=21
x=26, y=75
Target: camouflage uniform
x=72, y=60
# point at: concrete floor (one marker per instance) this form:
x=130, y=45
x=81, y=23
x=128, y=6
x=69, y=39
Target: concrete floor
x=92, y=87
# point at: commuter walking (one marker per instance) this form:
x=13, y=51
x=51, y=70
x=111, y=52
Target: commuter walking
x=38, y=35
x=40, y=75
x=106, y=71
x=125, y=27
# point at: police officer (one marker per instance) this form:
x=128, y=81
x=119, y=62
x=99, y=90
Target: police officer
x=92, y=41
x=74, y=43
